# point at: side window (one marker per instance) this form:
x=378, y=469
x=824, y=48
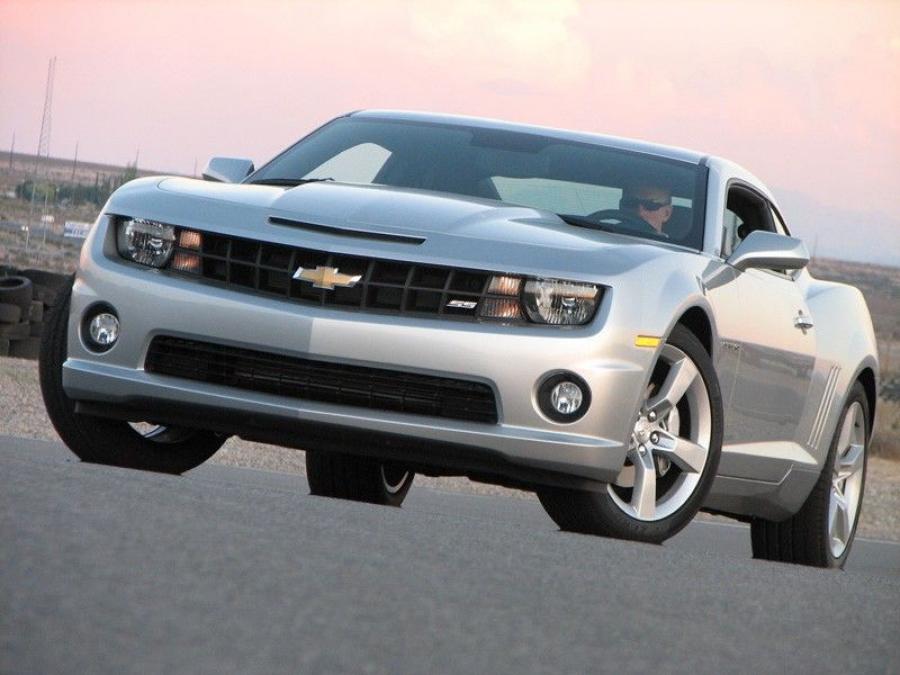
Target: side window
x=745, y=212
x=730, y=224
x=780, y=227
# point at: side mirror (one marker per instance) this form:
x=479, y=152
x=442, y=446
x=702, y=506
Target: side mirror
x=227, y=169
x=769, y=251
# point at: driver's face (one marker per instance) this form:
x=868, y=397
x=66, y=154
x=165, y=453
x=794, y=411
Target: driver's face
x=655, y=217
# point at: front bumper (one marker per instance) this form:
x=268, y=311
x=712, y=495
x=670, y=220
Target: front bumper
x=512, y=360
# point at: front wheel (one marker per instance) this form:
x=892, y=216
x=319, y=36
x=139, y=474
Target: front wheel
x=357, y=478
x=822, y=532
x=104, y=441
x=672, y=458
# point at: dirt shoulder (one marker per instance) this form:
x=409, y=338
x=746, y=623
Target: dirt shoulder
x=22, y=414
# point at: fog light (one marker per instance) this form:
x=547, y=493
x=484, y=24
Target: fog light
x=100, y=328
x=104, y=329
x=564, y=397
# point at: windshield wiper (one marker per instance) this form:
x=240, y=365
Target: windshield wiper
x=581, y=221
x=288, y=182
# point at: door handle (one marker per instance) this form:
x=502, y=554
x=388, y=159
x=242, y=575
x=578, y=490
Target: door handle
x=803, y=322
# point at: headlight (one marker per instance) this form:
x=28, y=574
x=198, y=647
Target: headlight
x=146, y=242
x=560, y=302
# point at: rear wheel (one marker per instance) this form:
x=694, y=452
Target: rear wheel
x=103, y=441
x=822, y=532
x=672, y=458
x=357, y=478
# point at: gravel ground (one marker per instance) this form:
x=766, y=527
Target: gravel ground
x=22, y=414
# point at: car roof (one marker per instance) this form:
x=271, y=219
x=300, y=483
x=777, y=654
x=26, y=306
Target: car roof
x=669, y=152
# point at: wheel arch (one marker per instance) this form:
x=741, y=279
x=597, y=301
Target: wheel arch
x=696, y=320
x=866, y=377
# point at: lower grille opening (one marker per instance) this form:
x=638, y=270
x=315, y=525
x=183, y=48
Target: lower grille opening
x=373, y=388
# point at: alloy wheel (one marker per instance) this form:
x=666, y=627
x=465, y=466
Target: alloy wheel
x=670, y=441
x=846, y=479
x=394, y=478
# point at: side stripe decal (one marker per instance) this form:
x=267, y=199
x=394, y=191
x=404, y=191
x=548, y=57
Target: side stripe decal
x=815, y=435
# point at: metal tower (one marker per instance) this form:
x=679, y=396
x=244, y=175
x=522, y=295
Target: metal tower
x=43, y=143
x=46, y=120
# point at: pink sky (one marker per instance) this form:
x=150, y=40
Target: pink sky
x=804, y=94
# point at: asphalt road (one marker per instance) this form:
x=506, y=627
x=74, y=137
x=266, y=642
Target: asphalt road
x=231, y=570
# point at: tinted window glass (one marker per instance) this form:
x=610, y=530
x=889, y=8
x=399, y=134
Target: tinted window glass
x=591, y=184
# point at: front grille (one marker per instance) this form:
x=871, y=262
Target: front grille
x=373, y=388
x=386, y=286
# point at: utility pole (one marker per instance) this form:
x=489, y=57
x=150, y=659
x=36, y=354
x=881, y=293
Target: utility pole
x=12, y=149
x=44, y=218
x=75, y=162
x=43, y=142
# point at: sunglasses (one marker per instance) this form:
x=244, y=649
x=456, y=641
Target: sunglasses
x=632, y=203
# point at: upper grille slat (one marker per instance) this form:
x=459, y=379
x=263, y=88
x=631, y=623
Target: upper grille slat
x=386, y=286
x=359, y=386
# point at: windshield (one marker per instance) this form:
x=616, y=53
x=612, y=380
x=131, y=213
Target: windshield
x=587, y=185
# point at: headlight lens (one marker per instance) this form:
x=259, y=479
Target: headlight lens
x=559, y=302
x=552, y=301
x=146, y=242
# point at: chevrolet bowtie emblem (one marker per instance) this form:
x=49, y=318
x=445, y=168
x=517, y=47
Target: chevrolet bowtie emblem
x=326, y=277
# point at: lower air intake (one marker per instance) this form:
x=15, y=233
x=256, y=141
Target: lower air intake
x=373, y=388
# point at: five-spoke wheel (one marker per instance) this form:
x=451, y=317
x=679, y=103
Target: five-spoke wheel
x=360, y=479
x=847, y=479
x=669, y=444
x=822, y=532
x=672, y=457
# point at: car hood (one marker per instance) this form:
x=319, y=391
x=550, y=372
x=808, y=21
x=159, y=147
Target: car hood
x=459, y=231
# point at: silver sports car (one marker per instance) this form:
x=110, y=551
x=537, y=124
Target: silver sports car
x=626, y=329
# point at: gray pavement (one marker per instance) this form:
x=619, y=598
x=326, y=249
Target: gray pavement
x=231, y=570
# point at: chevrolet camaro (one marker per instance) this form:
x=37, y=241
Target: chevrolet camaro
x=627, y=329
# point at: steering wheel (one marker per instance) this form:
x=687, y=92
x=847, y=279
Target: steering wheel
x=630, y=221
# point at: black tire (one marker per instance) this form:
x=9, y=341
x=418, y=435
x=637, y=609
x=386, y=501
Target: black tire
x=46, y=284
x=29, y=348
x=10, y=313
x=36, y=311
x=15, y=331
x=597, y=513
x=46, y=295
x=17, y=291
x=53, y=280
x=112, y=442
x=358, y=479
x=804, y=538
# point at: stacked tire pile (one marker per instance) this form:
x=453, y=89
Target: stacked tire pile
x=890, y=390
x=24, y=298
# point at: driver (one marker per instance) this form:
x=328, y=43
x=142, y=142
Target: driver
x=651, y=203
